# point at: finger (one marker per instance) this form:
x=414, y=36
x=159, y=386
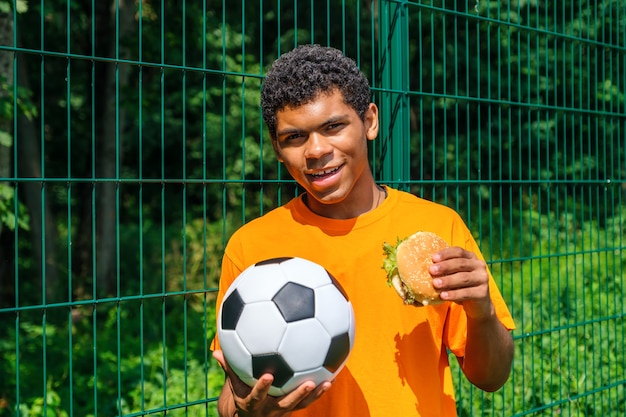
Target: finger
x=293, y=399
x=261, y=389
x=457, y=265
x=461, y=295
x=317, y=393
x=460, y=279
x=455, y=259
x=304, y=395
x=451, y=253
x=476, y=302
x=239, y=388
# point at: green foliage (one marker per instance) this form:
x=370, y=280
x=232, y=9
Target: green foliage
x=10, y=216
x=24, y=100
x=567, y=359
x=21, y=6
x=40, y=407
x=181, y=386
x=502, y=103
x=6, y=139
x=12, y=213
x=131, y=363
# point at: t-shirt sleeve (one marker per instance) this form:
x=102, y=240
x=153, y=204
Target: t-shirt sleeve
x=455, y=331
x=228, y=274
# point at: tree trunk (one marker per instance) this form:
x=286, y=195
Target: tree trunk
x=110, y=129
x=42, y=224
x=6, y=72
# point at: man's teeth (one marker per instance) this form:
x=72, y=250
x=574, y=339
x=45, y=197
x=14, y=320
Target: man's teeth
x=325, y=172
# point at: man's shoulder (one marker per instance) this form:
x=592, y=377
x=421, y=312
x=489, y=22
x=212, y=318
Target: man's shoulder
x=264, y=237
x=415, y=204
x=269, y=222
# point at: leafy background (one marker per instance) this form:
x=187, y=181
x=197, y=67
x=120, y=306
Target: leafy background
x=131, y=147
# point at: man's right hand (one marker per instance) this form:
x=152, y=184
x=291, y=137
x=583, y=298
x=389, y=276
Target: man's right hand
x=238, y=399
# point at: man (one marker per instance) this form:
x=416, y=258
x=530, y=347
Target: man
x=316, y=104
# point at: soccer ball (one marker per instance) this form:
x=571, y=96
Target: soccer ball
x=288, y=317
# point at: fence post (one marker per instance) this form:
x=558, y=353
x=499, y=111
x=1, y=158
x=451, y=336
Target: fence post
x=393, y=81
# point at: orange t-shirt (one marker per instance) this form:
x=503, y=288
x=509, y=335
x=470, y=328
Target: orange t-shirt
x=399, y=363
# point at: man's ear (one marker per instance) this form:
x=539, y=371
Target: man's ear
x=371, y=122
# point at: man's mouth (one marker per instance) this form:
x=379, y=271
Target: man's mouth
x=324, y=173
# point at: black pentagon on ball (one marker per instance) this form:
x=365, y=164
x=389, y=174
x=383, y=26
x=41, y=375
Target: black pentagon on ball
x=231, y=310
x=295, y=302
x=274, y=364
x=337, y=352
x=273, y=261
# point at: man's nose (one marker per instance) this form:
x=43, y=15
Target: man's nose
x=317, y=145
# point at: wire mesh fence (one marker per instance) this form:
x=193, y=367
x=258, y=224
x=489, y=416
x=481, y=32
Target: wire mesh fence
x=132, y=146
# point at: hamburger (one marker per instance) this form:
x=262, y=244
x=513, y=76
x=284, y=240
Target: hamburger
x=407, y=263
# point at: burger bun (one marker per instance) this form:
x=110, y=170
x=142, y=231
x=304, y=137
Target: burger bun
x=414, y=258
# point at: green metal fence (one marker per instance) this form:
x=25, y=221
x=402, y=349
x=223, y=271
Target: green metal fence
x=131, y=147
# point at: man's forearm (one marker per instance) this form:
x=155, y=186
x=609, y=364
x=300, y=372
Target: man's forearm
x=226, y=403
x=488, y=353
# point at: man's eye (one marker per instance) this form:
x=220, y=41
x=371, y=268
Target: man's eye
x=292, y=137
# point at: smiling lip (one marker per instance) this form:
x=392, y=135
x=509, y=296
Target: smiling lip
x=324, y=173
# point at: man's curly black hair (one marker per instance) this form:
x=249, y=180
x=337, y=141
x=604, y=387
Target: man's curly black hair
x=301, y=75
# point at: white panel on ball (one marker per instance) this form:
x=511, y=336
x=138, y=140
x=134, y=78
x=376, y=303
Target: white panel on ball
x=296, y=346
x=305, y=272
x=238, y=355
x=257, y=289
x=261, y=327
x=318, y=376
x=332, y=310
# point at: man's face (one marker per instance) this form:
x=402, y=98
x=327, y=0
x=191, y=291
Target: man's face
x=323, y=145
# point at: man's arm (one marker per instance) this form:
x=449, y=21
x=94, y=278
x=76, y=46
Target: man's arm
x=463, y=278
x=488, y=353
x=226, y=402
